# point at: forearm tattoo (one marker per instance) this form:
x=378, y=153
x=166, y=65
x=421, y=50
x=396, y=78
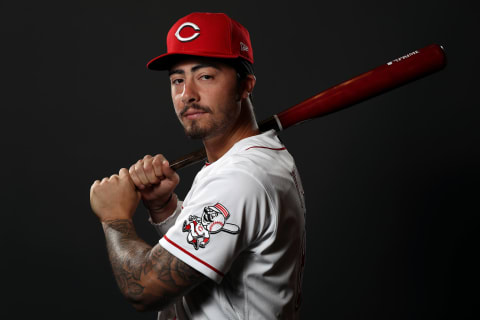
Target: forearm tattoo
x=135, y=263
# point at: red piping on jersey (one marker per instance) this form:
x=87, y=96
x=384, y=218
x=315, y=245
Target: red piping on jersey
x=191, y=255
x=276, y=149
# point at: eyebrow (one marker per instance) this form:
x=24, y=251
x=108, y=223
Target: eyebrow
x=194, y=68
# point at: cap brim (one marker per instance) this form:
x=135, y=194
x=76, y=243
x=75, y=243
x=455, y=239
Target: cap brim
x=165, y=61
x=162, y=62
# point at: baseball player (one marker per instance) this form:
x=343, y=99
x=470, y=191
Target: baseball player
x=234, y=248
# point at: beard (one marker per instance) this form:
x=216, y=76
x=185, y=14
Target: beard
x=194, y=131
x=210, y=128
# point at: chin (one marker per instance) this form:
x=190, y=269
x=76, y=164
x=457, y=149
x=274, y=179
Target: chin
x=194, y=132
x=195, y=135
x=208, y=130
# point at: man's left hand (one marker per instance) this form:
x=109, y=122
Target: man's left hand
x=115, y=197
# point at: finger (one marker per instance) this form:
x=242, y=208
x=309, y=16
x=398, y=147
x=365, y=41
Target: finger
x=104, y=180
x=135, y=178
x=169, y=172
x=94, y=185
x=149, y=171
x=157, y=165
x=124, y=175
x=141, y=173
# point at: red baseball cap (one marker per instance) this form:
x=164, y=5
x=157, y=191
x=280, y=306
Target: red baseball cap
x=205, y=34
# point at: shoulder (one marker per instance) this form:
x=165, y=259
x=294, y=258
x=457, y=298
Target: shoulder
x=259, y=157
x=238, y=177
x=256, y=166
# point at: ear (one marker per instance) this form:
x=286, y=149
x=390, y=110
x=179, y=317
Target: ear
x=248, y=85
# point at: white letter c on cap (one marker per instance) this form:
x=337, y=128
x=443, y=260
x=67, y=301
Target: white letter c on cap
x=187, y=24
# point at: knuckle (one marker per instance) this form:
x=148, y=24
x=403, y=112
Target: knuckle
x=138, y=166
x=147, y=165
x=146, y=161
x=94, y=185
x=158, y=160
x=159, y=157
x=131, y=170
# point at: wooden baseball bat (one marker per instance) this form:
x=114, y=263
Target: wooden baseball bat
x=393, y=74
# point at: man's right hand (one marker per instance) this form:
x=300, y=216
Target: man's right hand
x=156, y=182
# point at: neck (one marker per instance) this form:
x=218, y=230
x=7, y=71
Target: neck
x=245, y=126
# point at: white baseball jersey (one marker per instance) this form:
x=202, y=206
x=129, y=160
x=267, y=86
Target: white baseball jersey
x=242, y=225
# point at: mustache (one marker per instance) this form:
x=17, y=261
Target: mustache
x=195, y=107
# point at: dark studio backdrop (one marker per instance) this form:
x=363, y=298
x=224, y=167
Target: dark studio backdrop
x=391, y=184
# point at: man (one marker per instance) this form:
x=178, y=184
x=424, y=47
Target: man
x=234, y=248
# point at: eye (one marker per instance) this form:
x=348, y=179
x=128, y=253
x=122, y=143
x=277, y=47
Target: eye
x=176, y=81
x=206, y=77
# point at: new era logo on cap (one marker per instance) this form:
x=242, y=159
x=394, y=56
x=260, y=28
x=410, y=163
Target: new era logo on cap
x=208, y=35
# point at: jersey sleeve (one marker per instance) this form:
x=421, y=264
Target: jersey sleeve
x=224, y=215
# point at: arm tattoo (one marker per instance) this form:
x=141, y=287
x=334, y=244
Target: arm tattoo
x=135, y=264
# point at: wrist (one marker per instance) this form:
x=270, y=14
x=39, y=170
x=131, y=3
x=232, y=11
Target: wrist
x=163, y=211
x=115, y=216
x=117, y=224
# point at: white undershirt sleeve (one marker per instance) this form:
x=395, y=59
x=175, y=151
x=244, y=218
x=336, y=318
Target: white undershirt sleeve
x=166, y=224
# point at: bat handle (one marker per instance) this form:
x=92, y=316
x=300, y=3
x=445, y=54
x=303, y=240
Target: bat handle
x=272, y=122
x=189, y=159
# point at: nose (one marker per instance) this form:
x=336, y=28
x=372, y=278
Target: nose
x=190, y=93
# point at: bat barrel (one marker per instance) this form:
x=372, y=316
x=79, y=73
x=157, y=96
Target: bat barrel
x=391, y=75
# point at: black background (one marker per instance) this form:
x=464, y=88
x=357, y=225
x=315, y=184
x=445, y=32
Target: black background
x=391, y=183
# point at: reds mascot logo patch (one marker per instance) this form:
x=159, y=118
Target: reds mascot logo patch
x=212, y=221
